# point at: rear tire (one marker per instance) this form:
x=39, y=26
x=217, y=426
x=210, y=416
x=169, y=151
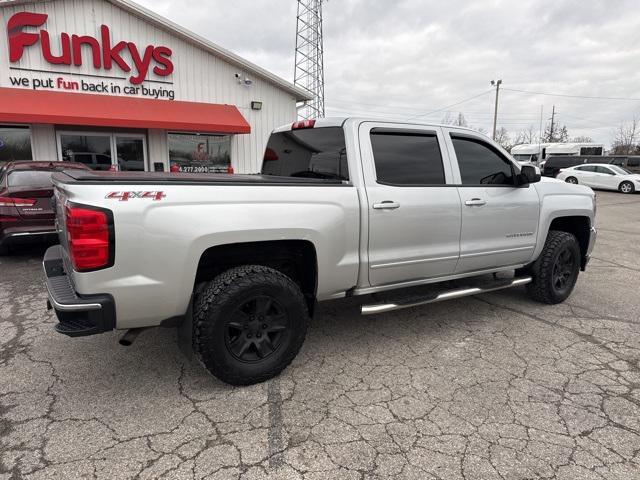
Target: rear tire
x=555, y=272
x=249, y=324
x=626, y=187
x=572, y=180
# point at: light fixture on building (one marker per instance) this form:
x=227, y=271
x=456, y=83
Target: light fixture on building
x=256, y=105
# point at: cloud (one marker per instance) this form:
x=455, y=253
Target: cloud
x=411, y=57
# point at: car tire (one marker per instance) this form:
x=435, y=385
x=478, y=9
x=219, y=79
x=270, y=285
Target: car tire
x=556, y=271
x=626, y=187
x=249, y=324
x=572, y=180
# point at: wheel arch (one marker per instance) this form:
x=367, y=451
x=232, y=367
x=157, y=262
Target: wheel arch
x=577, y=225
x=295, y=258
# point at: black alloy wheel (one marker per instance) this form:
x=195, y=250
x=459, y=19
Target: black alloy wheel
x=256, y=328
x=565, y=269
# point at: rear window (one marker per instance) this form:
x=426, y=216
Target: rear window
x=30, y=178
x=307, y=153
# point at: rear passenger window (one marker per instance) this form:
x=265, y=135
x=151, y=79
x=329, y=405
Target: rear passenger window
x=406, y=158
x=480, y=164
x=633, y=162
x=307, y=153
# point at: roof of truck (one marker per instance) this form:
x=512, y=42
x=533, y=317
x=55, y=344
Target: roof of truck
x=340, y=121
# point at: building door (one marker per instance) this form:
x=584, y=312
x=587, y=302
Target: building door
x=102, y=151
x=130, y=152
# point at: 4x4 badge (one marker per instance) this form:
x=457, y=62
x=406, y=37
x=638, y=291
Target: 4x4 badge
x=125, y=196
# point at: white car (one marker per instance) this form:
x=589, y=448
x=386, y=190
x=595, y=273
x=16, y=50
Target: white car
x=601, y=175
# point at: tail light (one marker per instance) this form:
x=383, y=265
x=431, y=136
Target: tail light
x=270, y=155
x=230, y=169
x=90, y=237
x=16, y=202
x=174, y=169
x=303, y=124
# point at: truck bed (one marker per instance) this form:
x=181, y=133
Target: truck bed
x=155, y=178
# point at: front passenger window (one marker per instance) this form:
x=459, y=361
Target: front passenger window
x=481, y=164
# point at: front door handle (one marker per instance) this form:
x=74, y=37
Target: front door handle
x=475, y=202
x=386, y=205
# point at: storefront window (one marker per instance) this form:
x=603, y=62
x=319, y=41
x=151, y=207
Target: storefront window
x=15, y=144
x=194, y=153
x=92, y=150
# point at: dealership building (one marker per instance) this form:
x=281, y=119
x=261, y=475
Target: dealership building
x=110, y=83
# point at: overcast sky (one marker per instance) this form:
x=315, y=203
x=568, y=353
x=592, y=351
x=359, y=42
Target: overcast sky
x=412, y=57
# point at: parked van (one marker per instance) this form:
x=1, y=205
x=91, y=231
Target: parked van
x=631, y=163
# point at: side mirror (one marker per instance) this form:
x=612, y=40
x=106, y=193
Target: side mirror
x=529, y=174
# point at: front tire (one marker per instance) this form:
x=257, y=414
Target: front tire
x=555, y=272
x=626, y=187
x=572, y=180
x=249, y=324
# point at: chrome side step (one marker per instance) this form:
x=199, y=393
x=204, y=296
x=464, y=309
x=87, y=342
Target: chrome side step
x=451, y=294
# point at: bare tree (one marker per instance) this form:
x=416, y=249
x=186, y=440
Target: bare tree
x=557, y=134
x=528, y=135
x=457, y=121
x=627, y=137
x=502, y=137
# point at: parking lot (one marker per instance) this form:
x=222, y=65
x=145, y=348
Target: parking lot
x=485, y=387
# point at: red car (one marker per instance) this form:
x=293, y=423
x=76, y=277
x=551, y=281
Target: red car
x=26, y=213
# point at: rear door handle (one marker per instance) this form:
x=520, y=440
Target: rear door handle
x=475, y=202
x=386, y=205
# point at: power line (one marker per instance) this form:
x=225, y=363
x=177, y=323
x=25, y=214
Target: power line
x=571, y=96
x=449, y=106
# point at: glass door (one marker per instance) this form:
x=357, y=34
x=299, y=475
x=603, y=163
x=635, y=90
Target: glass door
x=131, y=152
x=104, y=151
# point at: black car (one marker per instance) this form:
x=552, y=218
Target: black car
x=554, y=164
x=26, y=214
x=631, y=163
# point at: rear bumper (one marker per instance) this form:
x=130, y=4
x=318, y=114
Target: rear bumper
x=23, y=236
x=79, y=315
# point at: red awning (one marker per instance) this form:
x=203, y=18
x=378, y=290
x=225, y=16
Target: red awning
x=28, y=106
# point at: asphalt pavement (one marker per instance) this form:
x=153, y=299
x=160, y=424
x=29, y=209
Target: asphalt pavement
x=487, y=387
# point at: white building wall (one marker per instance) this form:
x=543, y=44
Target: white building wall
x=199, y=76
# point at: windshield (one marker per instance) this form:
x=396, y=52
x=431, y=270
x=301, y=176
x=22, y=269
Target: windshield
x=619, y=170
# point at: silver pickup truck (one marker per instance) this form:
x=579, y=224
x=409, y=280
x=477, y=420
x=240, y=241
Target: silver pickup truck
x=342, y=207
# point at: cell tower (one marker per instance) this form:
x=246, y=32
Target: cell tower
x=309, y=70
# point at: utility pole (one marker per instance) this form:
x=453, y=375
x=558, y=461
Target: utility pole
x=553, y=117
x=495, y=112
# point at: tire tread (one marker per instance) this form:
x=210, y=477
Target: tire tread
x=539, y=289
